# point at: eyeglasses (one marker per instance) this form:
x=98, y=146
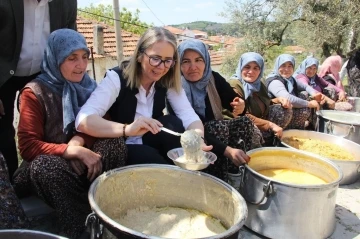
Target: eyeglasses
x=156, y=61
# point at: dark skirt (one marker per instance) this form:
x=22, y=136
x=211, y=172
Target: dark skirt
x=53, y=179
x=12, y=215
x=236, y=133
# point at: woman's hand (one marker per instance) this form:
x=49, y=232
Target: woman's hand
x=320, y=98
x=205, y=147
x=278, y=131
x=143, y=125
x=89, y=158
x=330, y=103
x=237, y=156
x=78, y=166
x=238, y=105
x=313, y=104
x=285, y=103
x=342, y=96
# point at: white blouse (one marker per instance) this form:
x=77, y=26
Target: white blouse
x=108, y=90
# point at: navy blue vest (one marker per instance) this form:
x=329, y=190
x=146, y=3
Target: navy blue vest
x=124, y=108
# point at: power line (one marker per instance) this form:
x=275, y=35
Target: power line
x=110, y=18
x=134, y=24
x=153, y=13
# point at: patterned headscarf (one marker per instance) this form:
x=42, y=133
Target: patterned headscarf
x=309, y=61
x=278, y=62
x=196, y=91
x=61, y=44
x=246, y=58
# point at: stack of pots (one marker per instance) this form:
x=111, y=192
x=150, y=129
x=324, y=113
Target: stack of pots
x=339, y=123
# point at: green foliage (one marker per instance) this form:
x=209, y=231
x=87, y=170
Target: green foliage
x=323, y=28
x=104, y=13
x=211, y=28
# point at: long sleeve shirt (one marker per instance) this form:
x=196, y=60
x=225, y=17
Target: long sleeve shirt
x=277, y=88
x=108, y=90
x=320, y=83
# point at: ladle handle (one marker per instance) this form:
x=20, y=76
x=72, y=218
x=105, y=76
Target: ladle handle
x=267, y=188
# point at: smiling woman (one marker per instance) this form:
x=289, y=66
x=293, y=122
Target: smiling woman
x=59, y=164
x=135, y=95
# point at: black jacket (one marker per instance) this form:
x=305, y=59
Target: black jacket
x=62, y=15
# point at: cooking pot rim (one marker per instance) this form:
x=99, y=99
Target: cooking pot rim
x=292, y=185
x=320, y=114
x=33, y=232
x=232, y=230
x=327, y=135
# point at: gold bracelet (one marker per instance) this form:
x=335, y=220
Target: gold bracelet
x=124, y=131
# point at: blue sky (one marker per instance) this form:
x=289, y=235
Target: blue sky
x=170, y=11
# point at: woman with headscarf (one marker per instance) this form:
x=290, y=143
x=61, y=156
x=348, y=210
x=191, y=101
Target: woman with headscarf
x=209, y=93
x=269, y=115
x=330, y=69
x=60, y=164
x=307, y=74
x=280, y=83
x=135, y=95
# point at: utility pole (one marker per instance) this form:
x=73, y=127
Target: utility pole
x=119, y=45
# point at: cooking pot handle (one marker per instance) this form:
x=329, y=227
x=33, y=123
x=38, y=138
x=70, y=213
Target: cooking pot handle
x=93, y=222
x=267, y=189
x=330, y=129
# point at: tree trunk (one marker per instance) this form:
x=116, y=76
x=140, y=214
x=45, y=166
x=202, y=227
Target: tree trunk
x=326, y=49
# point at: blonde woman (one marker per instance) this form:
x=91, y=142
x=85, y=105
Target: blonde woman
x=135, y=94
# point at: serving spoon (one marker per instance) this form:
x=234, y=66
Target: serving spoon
x=173, y=132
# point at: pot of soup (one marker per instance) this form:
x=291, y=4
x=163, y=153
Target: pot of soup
x=343, y=152
x=163, y=201
x=339, y=123
x=289, y=194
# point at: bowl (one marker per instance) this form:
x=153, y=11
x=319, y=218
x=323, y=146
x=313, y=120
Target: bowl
x=174, y=154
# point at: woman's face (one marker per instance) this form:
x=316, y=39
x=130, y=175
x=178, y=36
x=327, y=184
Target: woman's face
x=160, y=52
x=311, y=71
x=286, y=70
x=74, y=66
x=192, y=66
x=250, y=72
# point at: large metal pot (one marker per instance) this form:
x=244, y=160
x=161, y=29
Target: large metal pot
x=27, y=234
x=350, y=169
x=340, y=123
x=355, y=102
x=117, y=191
x=284, y=210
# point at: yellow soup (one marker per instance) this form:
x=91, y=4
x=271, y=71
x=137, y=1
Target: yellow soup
x=292, y=176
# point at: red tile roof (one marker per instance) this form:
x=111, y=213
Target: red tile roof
x=174, y=30
x=85, y=27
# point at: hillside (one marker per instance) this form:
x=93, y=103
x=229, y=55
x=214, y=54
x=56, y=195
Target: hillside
x=212, y=28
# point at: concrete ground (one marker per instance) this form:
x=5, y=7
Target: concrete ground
x=347, y=215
